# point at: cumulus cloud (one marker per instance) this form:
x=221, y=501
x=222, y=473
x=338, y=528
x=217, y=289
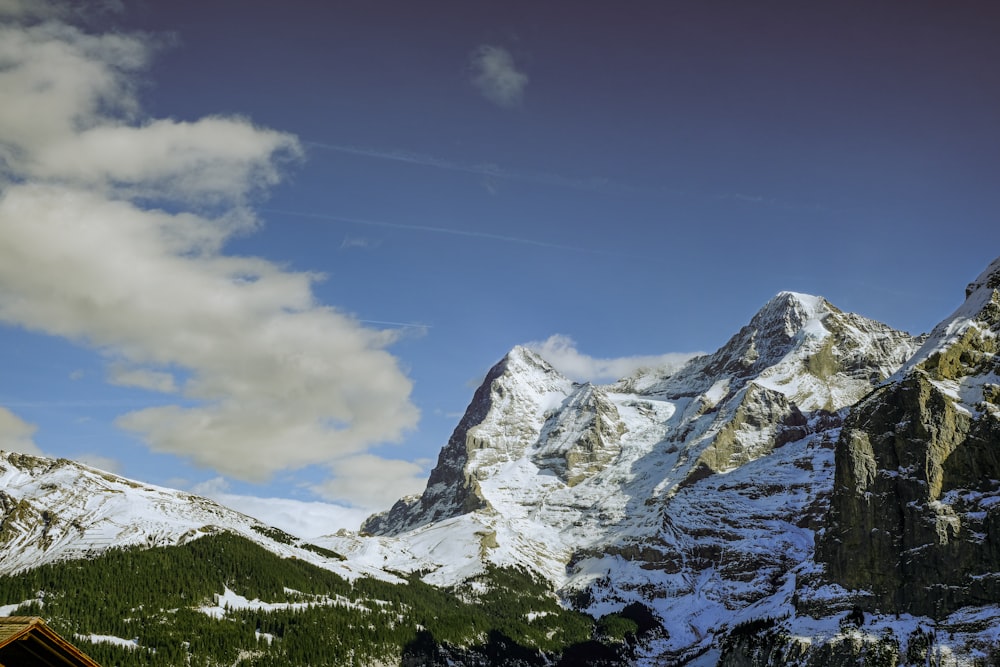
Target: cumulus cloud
x=269, y=379
x=48, y=9
x=496, y=77
x=372, y=482
x=70, y=116
x=15, y=434
x=561, y=352
x=100, y=462
x=143, y=378
x=28, y=9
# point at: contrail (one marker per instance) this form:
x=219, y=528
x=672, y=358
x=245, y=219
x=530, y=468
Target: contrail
x=596, y=184
x=432, y=229
x=409, y=158
x=593, y=184
x=405, y=325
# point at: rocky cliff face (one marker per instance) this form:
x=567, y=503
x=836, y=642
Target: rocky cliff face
x=507, y=412
x=915, y=514
x=582, y=438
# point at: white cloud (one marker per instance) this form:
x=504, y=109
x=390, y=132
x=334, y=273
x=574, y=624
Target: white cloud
x=302, y=519
x=496, y=77
x=142, y=378
x=49, y=9
x=70, y=116
x=561, y=352
x=351, y=241
x=372, y=482
x=28, y=9
x=271, y=379
x=100, y=462
x=15, y=434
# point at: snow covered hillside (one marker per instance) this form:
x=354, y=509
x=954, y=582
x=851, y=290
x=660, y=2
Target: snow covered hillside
x=55, y=509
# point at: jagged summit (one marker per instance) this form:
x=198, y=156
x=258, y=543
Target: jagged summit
x=785, y=321
x=800, y=345
x=797, y=309
x=522, y=358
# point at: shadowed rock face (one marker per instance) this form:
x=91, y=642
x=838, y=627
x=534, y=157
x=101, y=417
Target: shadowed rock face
x=915, y=512
x=582, y=438
x=509, y=394
x=448, y=492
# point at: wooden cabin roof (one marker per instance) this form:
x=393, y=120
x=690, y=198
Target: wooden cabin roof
x=26, y=641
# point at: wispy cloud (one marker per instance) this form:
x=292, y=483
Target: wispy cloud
x=496, y=77
x=351, y=241
x=267, y=378
x=561, y=352
x=431, y=229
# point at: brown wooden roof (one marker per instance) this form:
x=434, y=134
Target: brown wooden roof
x=26, y=641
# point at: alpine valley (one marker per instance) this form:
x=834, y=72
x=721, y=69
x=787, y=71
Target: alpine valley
x=821, y=490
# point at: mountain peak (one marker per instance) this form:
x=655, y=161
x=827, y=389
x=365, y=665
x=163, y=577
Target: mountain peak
x=521, y=358
x=780, y=326
x=507, y=410
x=800, y=298
x=794, y=309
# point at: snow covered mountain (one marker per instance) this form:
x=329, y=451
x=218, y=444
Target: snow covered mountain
x=819, y=490
x=54, y=510
x=695, y=490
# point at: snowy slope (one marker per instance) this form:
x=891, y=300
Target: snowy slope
x=959, y=354
x=540, y=452
x=55, y=509
x=698, y=492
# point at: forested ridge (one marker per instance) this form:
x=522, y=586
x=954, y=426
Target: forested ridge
x=156, y=598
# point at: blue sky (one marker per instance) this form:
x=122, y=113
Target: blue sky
x=266, y=251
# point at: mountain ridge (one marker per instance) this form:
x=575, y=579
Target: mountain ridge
x=54, y=510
